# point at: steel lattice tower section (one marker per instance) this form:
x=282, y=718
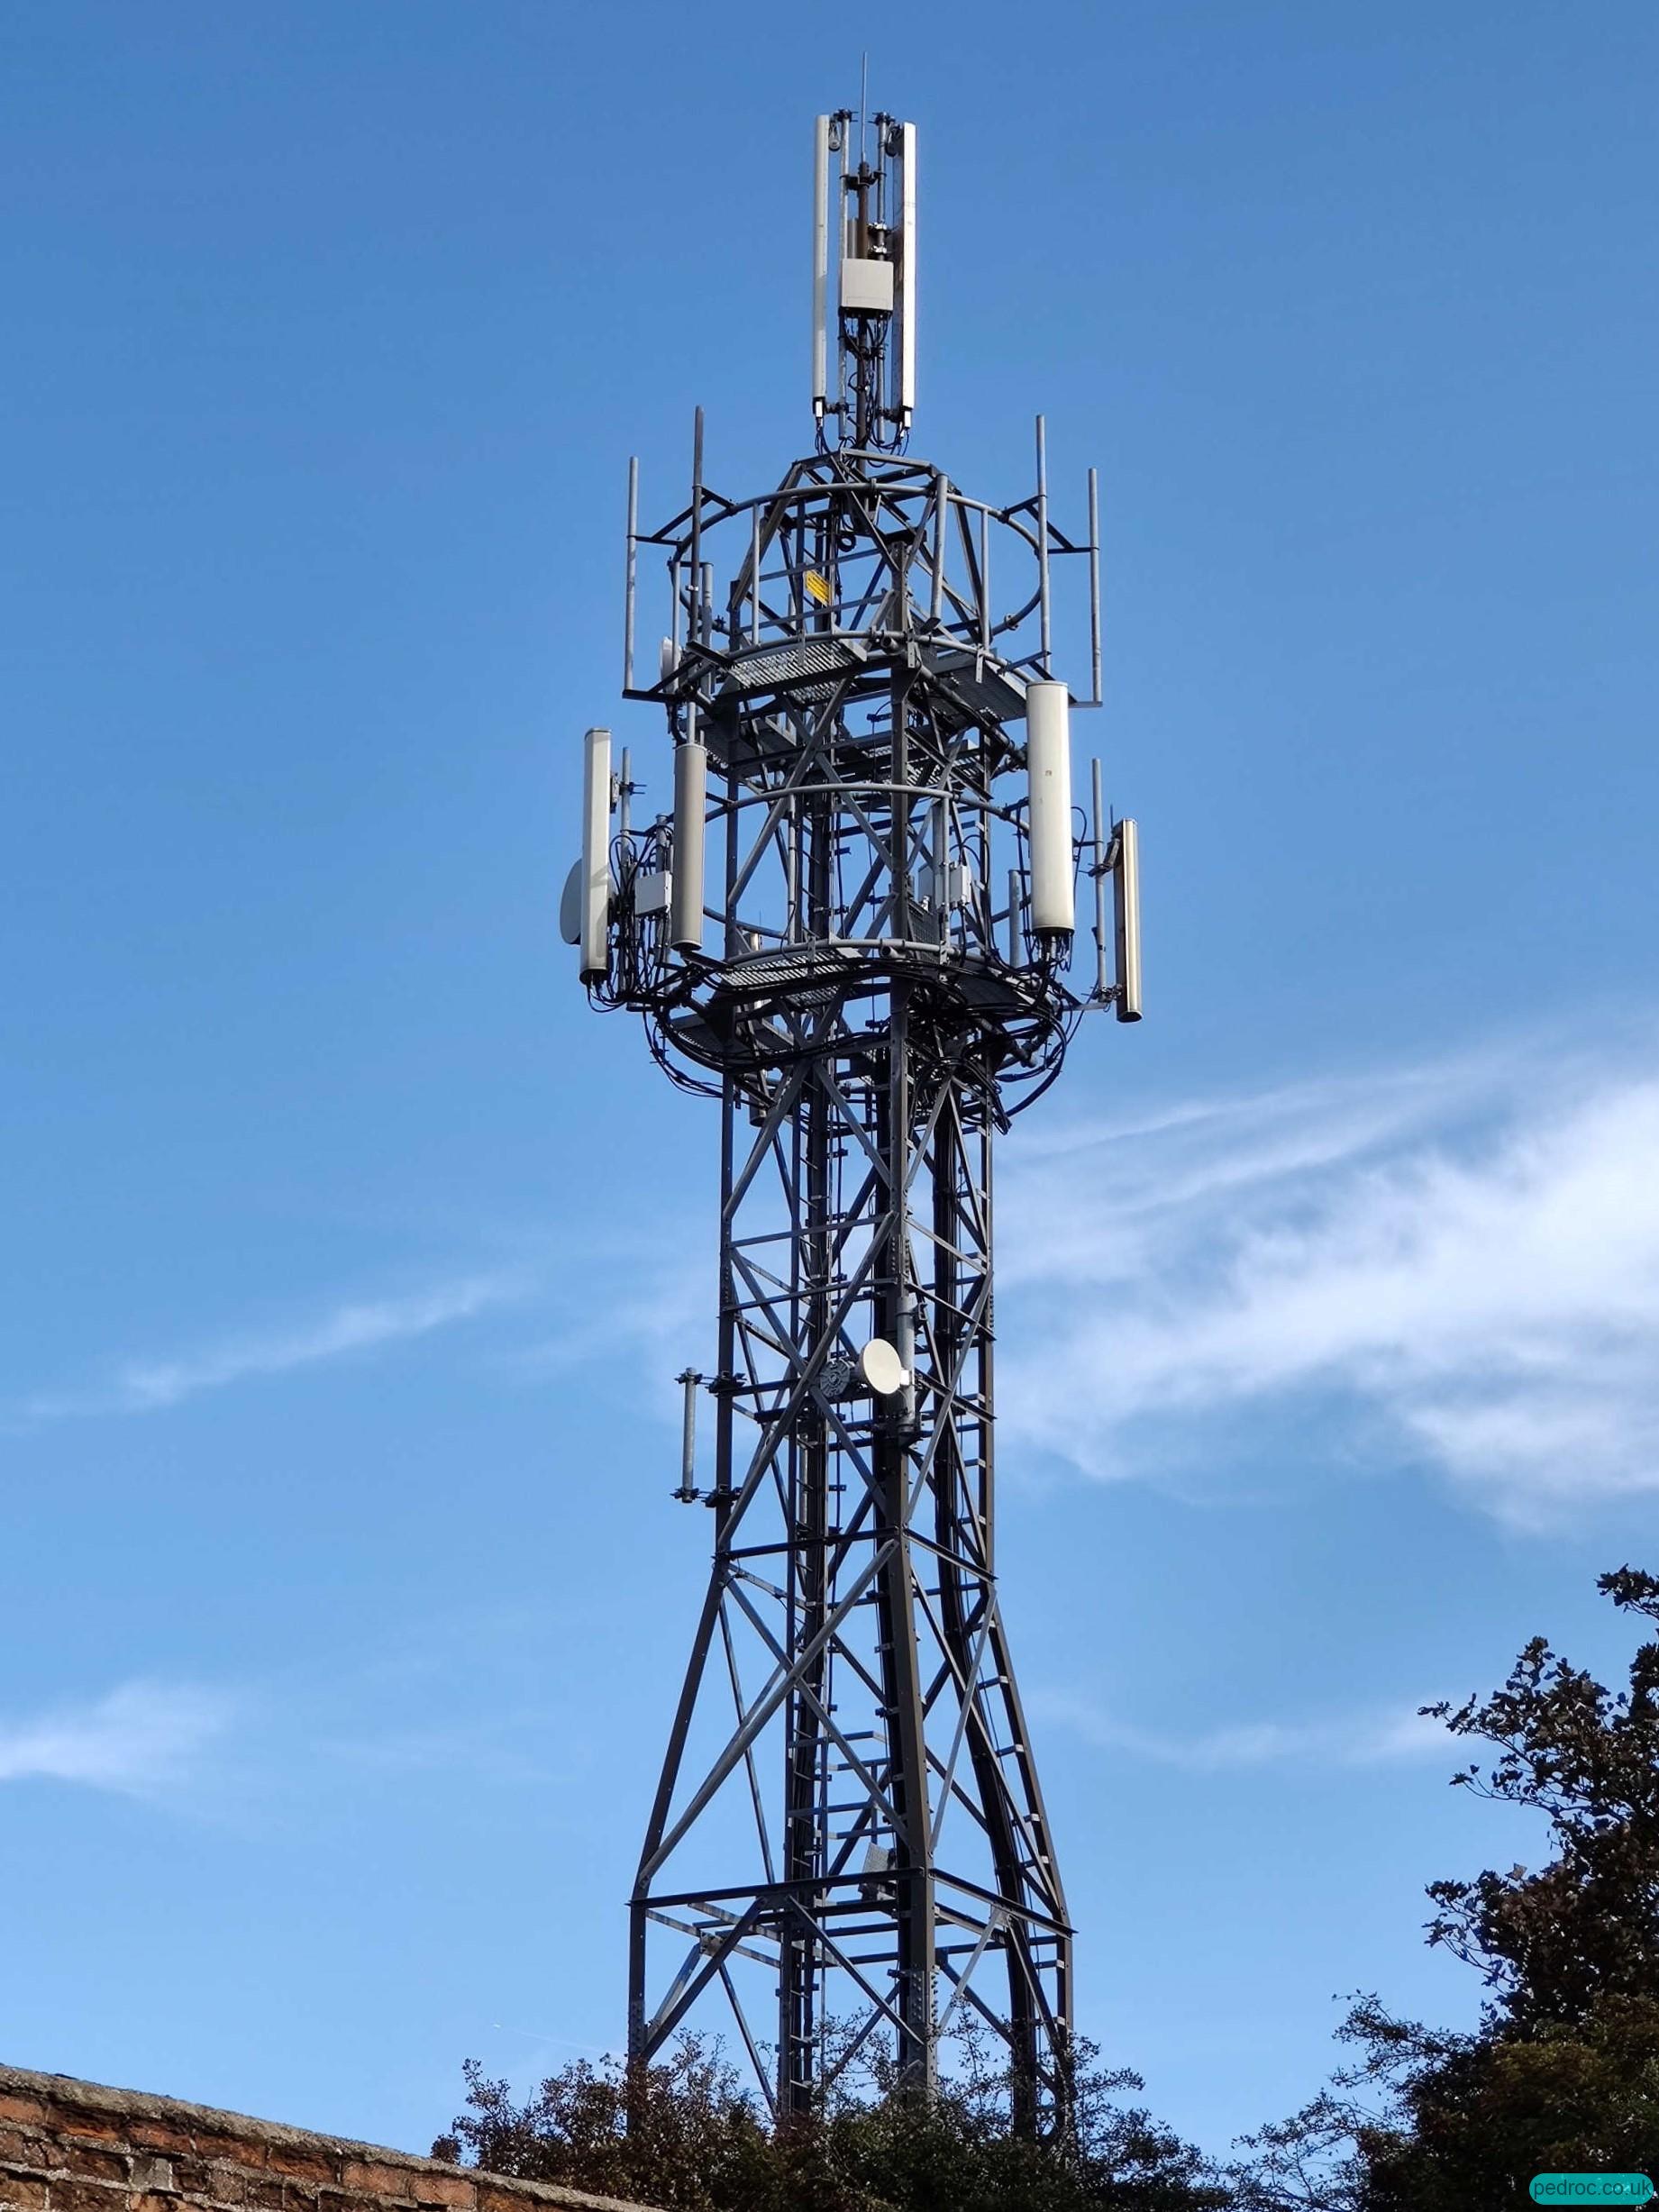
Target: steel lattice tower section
x=855, y=932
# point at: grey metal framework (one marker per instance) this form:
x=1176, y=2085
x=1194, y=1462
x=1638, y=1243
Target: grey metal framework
x=849, y=1838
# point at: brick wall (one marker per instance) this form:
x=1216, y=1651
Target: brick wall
x=72, y=2147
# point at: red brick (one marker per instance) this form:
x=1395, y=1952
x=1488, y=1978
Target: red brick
x=231, y=2150
x=91, y=2127
x=208, y=2152
x=371, y=2179
x=501, y=2197
x=147, y=2201
x=18, y=2148
x=297, y=2165
x=30, y=2110
x=339, y=2200
x=265, y=2193
x=88, y=2197
x=448, y=2188
x=18, y=2195
x=91, y=2164
x=160, y=2135
x=230, y=2182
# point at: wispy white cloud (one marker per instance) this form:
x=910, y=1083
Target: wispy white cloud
x=629, y=1297
x=148, y=1384
x=1467, y=1256
x=634, y=1308
x=1350, y=1740
x=140, y=1736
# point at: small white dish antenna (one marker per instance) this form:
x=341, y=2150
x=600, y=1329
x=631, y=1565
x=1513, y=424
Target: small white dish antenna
x=571, y=905
x=880, y=1368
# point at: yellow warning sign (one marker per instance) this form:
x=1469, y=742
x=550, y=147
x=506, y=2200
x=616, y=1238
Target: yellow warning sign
x=818, y=588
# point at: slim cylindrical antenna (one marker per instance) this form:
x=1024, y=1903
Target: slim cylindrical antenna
x=820, y=264
x=1094, y=584
x=1042, y=538
x=906, y=275
x=754, y=576
x=942, y=510
x=633, y=527
x=1099, y=873
x=688, y=1381
x=624, y=792
x=792, y=871
x=1015, y=887
x=694, y=630
x=985, y=578
x=690, y=834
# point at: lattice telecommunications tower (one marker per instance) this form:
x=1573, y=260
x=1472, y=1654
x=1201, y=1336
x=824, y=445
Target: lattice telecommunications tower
x=854, y=931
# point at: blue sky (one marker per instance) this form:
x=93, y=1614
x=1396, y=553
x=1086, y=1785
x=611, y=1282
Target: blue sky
x=351, y=1259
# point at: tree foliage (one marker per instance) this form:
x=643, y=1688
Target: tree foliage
x=699, y=2143
x=1552, y=1943
x=1562, y=2074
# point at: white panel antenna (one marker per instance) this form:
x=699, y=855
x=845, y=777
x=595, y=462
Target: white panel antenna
x=1048, y=768
x=1126, y=894
x=596, y=893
